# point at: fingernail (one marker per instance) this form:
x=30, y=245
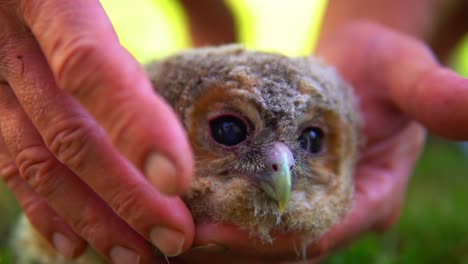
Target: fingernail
x=169, y=242
x=162, y=174
x=121, y=255
x=210, y=248
x=63, y=245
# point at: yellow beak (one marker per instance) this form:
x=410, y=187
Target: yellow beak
x=278, y=185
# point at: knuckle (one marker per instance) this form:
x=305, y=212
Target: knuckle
x=10, y=176
x=31, y=8
x=121, y=122
x=89, y=226
x=37, y=165
x=67, y=51
x=7, y=171
x=127, y=129
x=127, y=205
x=71, y=60
x=69, y=141
x=33, y=207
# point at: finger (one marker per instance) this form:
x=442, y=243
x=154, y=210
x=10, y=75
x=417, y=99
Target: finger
x=85, y=212
x=380, y=184
x=81, y=145
x=433, y=95
x=418, y=85
x=231, y=242
x=380, y=181
x=88, y=62
x=40, y=215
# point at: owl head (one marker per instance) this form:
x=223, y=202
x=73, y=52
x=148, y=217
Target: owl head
x=275, y=138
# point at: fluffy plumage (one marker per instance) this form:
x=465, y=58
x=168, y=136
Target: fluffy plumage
x=269, y=180
x=279, y=97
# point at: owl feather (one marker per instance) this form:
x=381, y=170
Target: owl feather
x=275, y=141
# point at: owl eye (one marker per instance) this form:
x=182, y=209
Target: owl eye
x=228, y=130
x=311, y=140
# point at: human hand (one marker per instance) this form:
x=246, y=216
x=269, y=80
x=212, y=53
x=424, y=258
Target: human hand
x=398, y=83
x=80, y=127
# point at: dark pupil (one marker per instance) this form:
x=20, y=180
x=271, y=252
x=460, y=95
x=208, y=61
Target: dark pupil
x=228, y=130
x=311, y=140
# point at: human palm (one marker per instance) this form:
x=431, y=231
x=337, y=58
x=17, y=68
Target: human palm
x=399, y=85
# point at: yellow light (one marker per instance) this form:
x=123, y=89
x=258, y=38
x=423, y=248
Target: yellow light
x=289, y=27
x=460, y=58
x=149, y=29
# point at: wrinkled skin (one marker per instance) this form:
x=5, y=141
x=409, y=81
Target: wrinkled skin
x=398, y=81
x=76, y=60
x=80, y=127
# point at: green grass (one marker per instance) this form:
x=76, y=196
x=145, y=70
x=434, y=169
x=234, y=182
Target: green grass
x=9, y=210
x=433, y=227
x=5, y=257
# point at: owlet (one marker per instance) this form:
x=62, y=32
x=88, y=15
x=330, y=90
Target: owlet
x=275, y=138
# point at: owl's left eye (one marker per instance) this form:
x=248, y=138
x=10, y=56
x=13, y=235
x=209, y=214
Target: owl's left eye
x=228, y=130
x=311, y=140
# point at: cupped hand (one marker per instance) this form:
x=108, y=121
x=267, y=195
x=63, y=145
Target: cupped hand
x=84, y=139
x=401, y=89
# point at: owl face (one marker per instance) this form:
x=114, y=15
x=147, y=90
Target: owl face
x=274, y=138
x=242, y=132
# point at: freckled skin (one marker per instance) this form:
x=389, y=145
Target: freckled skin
x=278, y=97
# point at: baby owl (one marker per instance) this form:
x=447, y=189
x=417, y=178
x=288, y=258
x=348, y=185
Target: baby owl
x=275, y=138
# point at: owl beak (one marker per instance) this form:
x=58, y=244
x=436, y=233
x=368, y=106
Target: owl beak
x=278, y=185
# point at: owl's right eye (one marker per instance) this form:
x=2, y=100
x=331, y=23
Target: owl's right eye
x=228, y=130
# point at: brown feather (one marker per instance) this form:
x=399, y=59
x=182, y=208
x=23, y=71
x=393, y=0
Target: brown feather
x=279, y=97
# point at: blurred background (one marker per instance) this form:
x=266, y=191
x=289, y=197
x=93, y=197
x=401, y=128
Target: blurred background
x=433, y=227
